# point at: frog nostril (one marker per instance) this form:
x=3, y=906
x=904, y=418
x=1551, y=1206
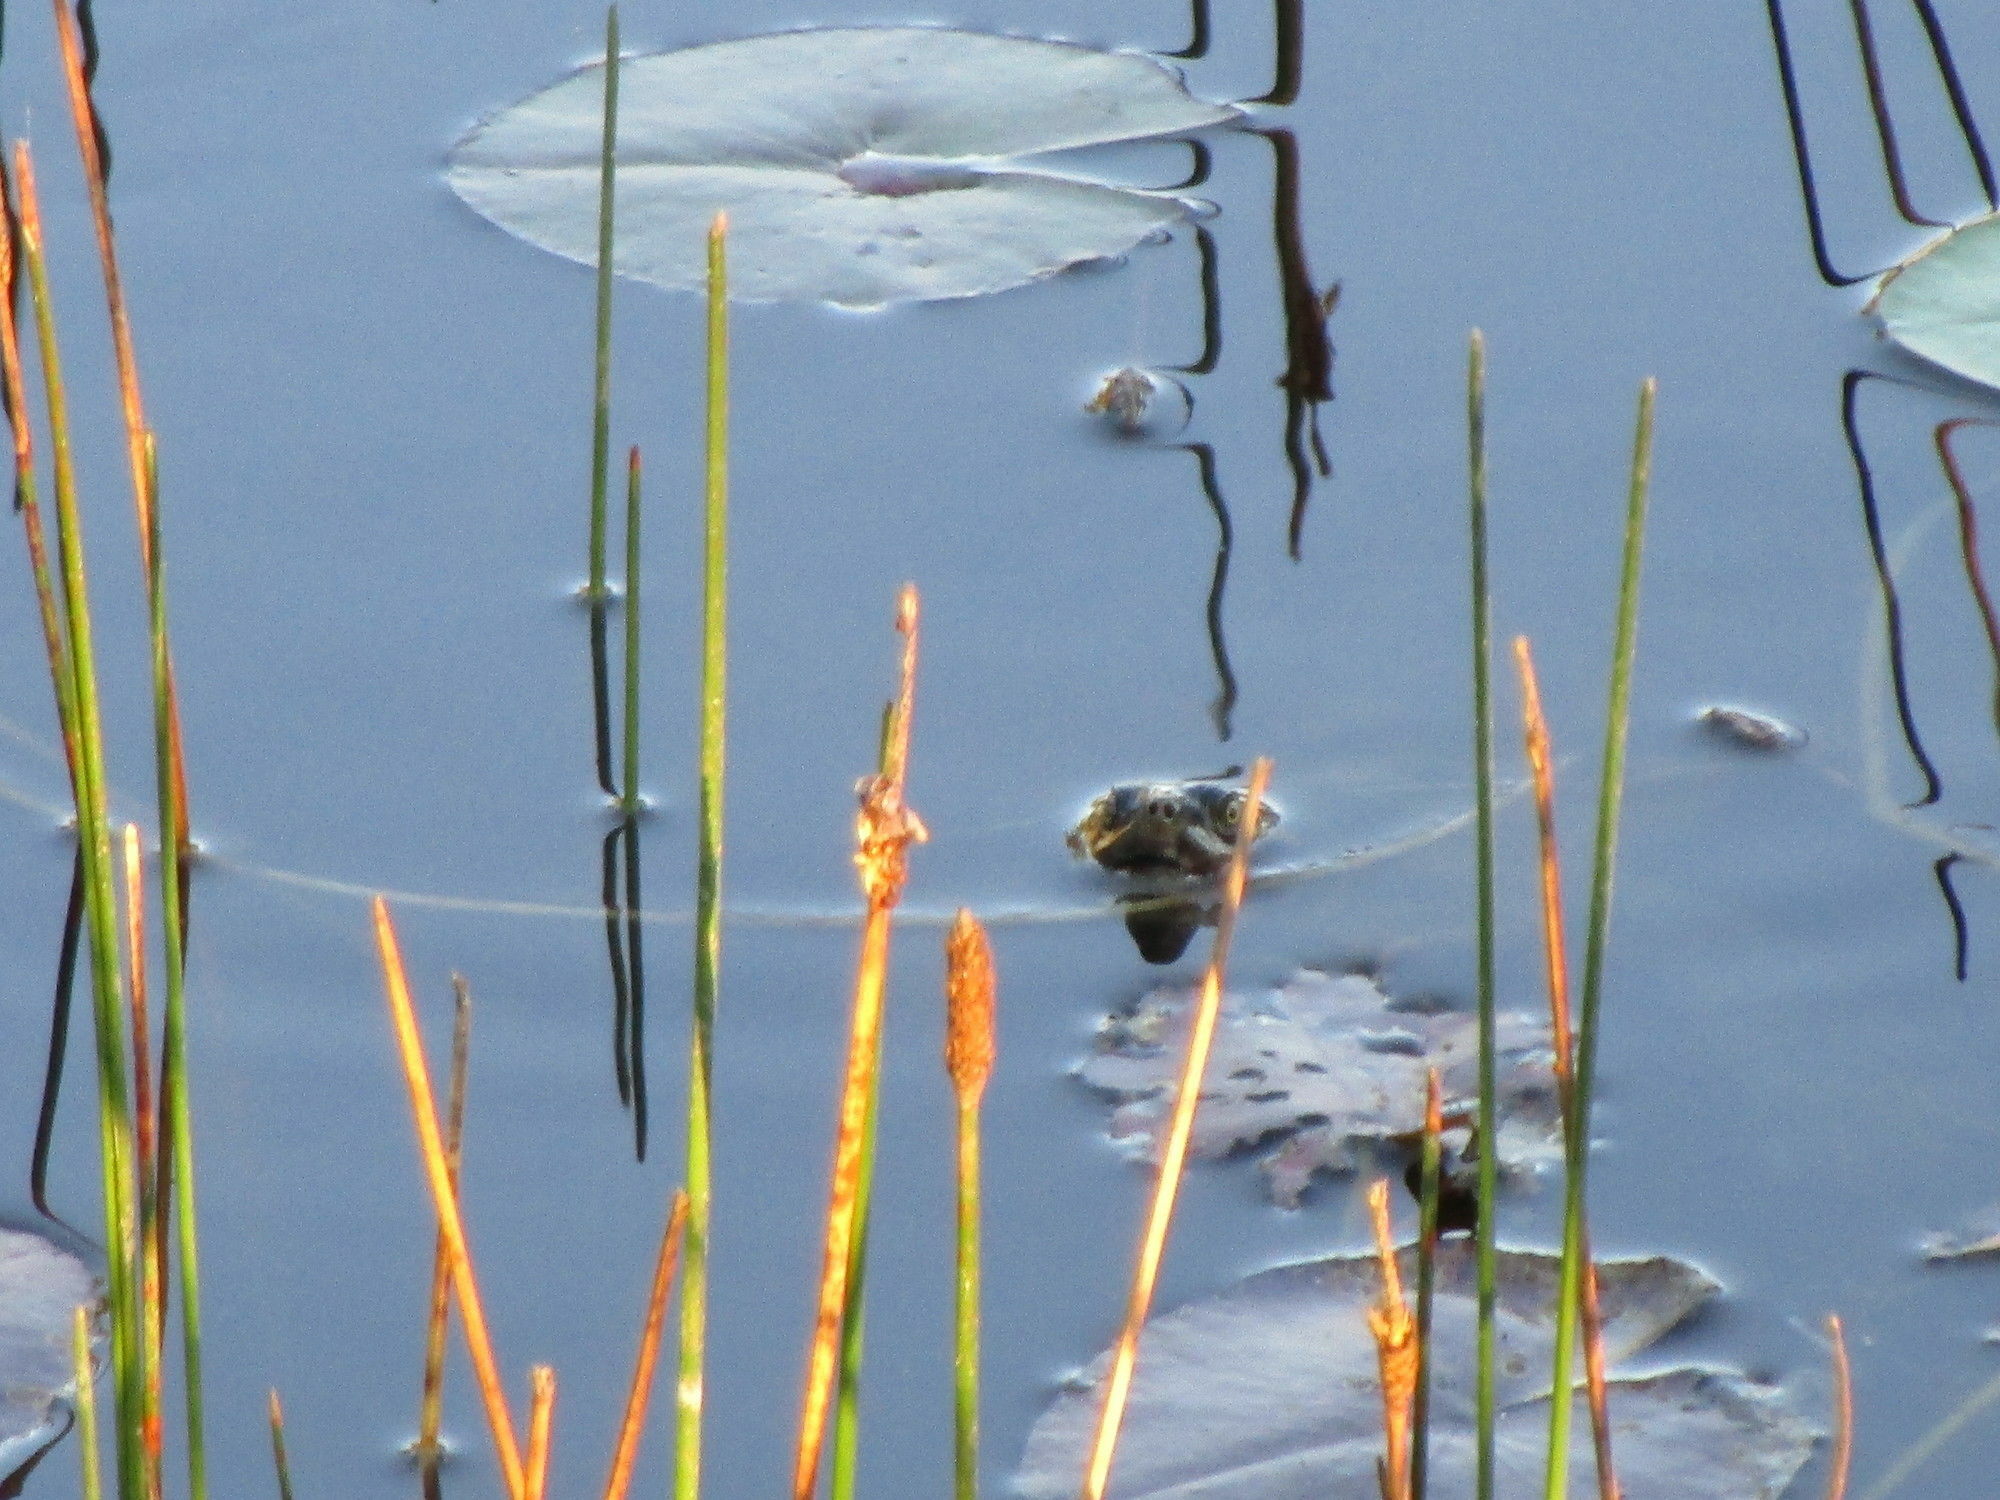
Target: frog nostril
x=1160, y=807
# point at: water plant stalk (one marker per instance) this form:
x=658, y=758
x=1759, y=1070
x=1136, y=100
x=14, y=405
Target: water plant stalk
x=968, y=1058
x=94, y=838
x=541, y=1420
x=633, y=1425
x=1485, y=1406
x=1397, y=1354
x=444, y=1199
x=1541, y=764
x=708, y=872
x=176, y=1131
x=1173, y=1153
x=86, y=1403
x=429, y=1447
x=884, y=829
x=1843, y=1411
x=1430, y=1171
x=631, y=757
x=152, y=1334
x=280, y=1460
x=1610, y=794
x=600, y=410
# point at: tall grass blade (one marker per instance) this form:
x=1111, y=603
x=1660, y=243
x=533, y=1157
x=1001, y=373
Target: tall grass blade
x=884, y=829
x=280, y=1460
x=1429, y=1179
x=1485, y=1406
x=175, y=1176
x=429, y=1446
x=151, y=1278
x=94, y=838
x=1610, y=793
x=86, y=1404
x=708, y=874
x=444, y=1198
x=1173, y=1154
x=600, y=410
x=968, y=1059
x=633, y=1427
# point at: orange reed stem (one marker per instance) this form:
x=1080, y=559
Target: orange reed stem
x=630, y=1430
x=1843, y=1411
x=1542, y=764
x=1166, y=1190
x=444, y=1196
x=541, y=1416
x=884, y=829
x=1396, y=1351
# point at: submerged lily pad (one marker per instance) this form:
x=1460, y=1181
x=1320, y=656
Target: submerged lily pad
x=41, y=1287
x=857, y=165
x=1268, y=1391
x=1329, y=1063
x=1944, y=302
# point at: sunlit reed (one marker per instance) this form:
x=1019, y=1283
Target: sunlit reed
x=1541, y=765
x=1397, y=1353
x=429, y=1448
x=541, y=1420
x=968, y=1059
x=86, y=1403
x=884, y=829
x=708, y=873
x=1843, y=1411
x=444, y=1198
x=637, y=1398
x=1173, y=1152
x=1611, y=786
x=280, y=1460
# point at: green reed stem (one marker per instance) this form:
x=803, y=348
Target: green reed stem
x=176, y=1107
x=853, y=1316
x=86, y=1404
x=100, y=900
x=600, y=422
x=1429, y=1190
x=1610, y=797
x=965, y=1343
x=632, y=634
x=708, y=874
x=1482, y=754
x=279, y=1460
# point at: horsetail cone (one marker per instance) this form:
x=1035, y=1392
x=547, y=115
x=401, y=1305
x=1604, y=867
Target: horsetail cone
x=968, y=1045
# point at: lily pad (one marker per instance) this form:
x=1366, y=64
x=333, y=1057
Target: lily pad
x=1943, y=304
x=1268, y=1391
x=41, y=1287
x=861, y=166
x=1326, y=1062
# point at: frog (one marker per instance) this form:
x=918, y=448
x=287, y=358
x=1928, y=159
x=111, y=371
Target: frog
x=1167, y=828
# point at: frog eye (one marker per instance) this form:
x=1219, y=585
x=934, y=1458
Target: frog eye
x=1231, y=811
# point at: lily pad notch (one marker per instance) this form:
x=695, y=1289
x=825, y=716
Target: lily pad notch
x=862, y=166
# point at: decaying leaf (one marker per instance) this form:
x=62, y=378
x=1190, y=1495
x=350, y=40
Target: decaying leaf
x=1323, y=1063
x=859, y=165
x=1268, y=1391
x=41, y=1287
x=1977, y=1236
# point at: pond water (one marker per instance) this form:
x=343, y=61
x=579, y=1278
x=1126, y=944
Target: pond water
x=374, y=422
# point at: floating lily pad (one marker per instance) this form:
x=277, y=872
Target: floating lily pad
x=41, y=1287
x=1268, y=1391
x=860, y=166
x=1944, y=302
x=1327, y=1063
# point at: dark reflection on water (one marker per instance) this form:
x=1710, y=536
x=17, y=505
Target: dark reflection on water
x=52, y=1072
x=624, y=943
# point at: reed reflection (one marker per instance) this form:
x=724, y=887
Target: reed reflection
x=618, y=855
